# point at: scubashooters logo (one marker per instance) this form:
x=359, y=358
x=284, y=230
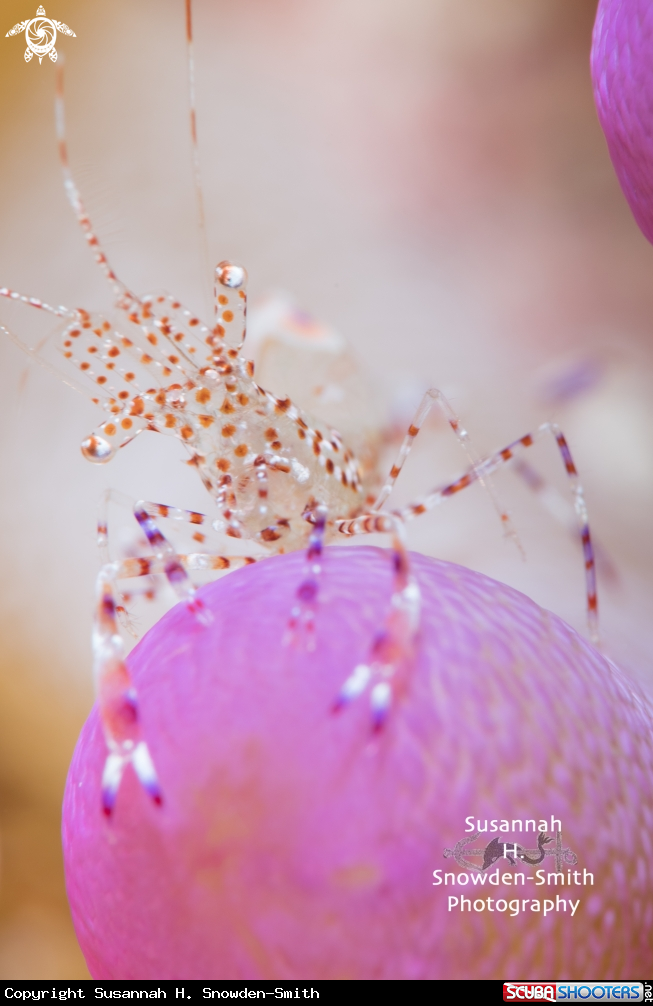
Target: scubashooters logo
x=573, y=991
x=40, y=35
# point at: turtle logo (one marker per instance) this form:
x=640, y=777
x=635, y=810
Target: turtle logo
x=40, y=35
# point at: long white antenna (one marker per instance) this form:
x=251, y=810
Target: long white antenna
x=74, y=197
x=197, y=175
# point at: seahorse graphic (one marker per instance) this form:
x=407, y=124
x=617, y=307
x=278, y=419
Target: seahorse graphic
x=495, y=850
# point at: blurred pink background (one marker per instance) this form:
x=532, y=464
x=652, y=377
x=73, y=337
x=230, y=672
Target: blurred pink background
x=427, y=176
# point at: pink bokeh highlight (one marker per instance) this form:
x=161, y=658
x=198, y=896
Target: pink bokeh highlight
x=293, y=843
x=622, y=74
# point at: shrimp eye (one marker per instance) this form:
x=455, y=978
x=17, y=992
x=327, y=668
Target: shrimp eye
x=97, y=450
x=231, y=275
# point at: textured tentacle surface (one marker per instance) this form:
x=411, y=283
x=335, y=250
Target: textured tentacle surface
x=293, y=843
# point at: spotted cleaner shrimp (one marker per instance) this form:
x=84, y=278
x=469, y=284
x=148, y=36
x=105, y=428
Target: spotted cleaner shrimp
x=276, y=476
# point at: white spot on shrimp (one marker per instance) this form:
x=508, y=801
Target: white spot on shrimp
x=300, y=472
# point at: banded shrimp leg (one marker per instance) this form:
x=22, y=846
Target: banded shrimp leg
x=117, y=698
x=138, y=566
x=392, y=648
x=405, y=599
x=302, y=615
x=435, y=397
x=304, y=609
x=376, y=521
x=552, y=500
x=162, y=562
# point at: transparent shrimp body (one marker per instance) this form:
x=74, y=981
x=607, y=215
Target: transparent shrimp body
x=263, y=461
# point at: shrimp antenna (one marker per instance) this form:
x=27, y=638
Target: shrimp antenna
x=197, y=174
x=36, y=356
x=72, y=192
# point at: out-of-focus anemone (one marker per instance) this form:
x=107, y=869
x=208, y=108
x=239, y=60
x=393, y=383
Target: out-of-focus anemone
x=622, y=73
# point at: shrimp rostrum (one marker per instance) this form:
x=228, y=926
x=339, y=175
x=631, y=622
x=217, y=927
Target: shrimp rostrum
x=276, y=478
